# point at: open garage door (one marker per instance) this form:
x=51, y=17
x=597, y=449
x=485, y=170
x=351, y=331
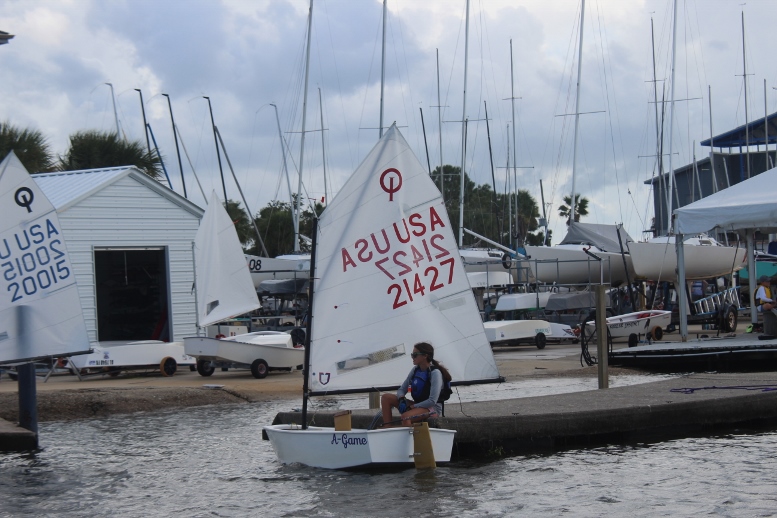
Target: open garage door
x=132, y=294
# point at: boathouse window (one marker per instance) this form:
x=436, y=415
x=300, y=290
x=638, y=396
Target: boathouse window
x=132, y=291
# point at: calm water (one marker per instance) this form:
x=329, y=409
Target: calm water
x=211, y=461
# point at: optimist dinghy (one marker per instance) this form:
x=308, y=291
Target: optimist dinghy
x=651, y=322
x=386, y=274
x=224, y=289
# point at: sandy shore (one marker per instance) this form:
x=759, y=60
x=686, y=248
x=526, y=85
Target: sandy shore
x=64, y=397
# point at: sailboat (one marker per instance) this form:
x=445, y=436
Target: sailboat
x=705, y=258
x=224, y=290
x=40, y=312
x=386, y=274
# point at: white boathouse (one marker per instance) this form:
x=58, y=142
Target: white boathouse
x=130, y=243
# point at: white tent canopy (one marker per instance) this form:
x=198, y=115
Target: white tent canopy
x=749, y=204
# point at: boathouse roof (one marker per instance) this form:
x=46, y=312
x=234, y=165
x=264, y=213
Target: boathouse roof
x=756, y=134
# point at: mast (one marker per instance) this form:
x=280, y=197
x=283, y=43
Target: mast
x=515, y=159
x=302, y=139
x=115, y=113
x=283, y=153
x=577, y=111
x=218, y=153
x=744, y=79
x=439, y=126
x=382, y=69
x=544, y=216
x=659, y=134
x=766, y=129
x=491, y=158
x=712, y=149
x=323, y=148
x=177, y=150
x=509, y=189
x=671, y=120
x=463, y=134
x=145, y=123
x=306, y=370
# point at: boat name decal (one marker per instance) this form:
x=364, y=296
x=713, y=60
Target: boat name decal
x=348, y=441
x=98, y=363
x=622, y=325
x=33, y=259
x=417, y=250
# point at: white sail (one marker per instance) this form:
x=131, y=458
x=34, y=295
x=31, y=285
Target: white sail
x=224, y=285
x=40, y=310
x=388, y=274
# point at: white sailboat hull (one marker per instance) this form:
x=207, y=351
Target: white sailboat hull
x=274, y=348
x=326, y=448
x=506, y=331
x=571, y=265
x=658, y=261
x=282, y=267
x=522, y=301
x=124, y=355
x=640, y=322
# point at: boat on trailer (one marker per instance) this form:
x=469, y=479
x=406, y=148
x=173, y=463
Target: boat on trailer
x=705, y=258
x=385, y=274
x=224, y=290
x=632, y=325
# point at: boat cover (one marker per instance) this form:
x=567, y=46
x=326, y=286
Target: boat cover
x=278, y=287
x=604, y=237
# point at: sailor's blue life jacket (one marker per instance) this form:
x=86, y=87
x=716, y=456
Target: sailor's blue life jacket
x=421, y=386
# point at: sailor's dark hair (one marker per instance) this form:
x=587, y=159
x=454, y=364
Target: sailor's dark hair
x=427, y=349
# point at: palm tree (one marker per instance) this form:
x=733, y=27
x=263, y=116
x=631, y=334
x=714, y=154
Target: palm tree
x=581, y=208
x=30, y=147
x=94, y=149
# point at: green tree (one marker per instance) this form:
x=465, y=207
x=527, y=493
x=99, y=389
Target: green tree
x=245, y=231
x=95, y=149
x=581, y=208
x=276, y=226
x=29, y=145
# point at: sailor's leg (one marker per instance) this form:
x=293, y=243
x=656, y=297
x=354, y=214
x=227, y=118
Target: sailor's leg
x=387, y=402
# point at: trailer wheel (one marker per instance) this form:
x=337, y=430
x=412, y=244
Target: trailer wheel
x=633, y=340
x=205, y=368
x=259, y=369
x=168, y=366
x=730, y=318
x=540, y=340
x=657, y=333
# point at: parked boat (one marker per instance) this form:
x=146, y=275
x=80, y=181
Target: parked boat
x=632, y=325
x=589, y=253
x=513, y=332
x=112, y=357
x=224, y=290
x=705, y=258
x=386, y=277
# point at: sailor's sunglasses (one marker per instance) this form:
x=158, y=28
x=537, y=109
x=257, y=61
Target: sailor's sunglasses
x=416, y=355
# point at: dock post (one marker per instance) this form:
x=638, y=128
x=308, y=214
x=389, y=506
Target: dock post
x=601, y=336
x=28, y=400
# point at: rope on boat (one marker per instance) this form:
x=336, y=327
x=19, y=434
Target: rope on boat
x=761, y=388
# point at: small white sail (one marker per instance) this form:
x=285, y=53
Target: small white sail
x=388, y=275
x=224, y=286
x=40, y=310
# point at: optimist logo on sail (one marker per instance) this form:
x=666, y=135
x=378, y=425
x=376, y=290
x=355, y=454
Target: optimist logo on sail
x=387, y=182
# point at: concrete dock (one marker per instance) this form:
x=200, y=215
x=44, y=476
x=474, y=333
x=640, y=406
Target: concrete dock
x=16, y=438
x=675, y=408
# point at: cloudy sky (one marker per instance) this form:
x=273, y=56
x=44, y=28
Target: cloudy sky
x=246, y=55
